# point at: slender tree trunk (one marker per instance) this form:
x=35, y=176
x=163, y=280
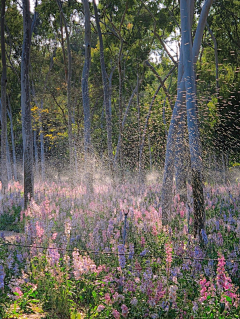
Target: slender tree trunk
x=8, y=172
x=26, y=109
x=181, y=152
x=9, y=162
x=181, y=157
x=175, y=119
x=105, y=91
x=86, y=102
x=9, y=111
x=170, y=155
x=68, y=73
x=120, y=108
x=42, y=152
x=150, y=152
x=138, y=116
x=110, y=89
x=4, y=177
x=35, y=152
x=192, y=119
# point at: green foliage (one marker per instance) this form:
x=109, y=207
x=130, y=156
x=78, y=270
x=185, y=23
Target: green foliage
x=11, y=219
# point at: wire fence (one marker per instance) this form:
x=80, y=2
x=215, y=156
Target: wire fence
x=111, y=253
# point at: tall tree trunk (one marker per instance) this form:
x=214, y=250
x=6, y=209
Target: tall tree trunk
x=36, y=166
x=192, y=119
x=4, y=177
x=181, y=157
x=105, y=91
x=120, y=108
x=42, y=153
x=9, y=112
x=68, y=73
x=86, y=102
x=8, y=172
x=175, y=119
x=150, y=152
x=9, y=162
x=26, y=109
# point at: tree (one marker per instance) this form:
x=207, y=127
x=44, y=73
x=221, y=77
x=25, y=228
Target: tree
x=192, y=118
x=4, y=176
x=26, y=108
x=68, y=74
x=105, y=91
x=85, y=98
x=186, y=79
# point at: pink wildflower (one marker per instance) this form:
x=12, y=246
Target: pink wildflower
x=116, y=314
x=224, y=282
x=17, y=291
x=108, y=299
x=203, y=292
x=54, y=236
x=124, y=310
x=39, y=230
x=100, y=308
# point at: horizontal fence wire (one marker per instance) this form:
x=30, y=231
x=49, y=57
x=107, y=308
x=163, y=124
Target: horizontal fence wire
x=145, y=255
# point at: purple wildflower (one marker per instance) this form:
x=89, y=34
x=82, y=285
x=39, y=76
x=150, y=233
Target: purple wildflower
x=131, y=251
x=2, y=276
x=121, y=255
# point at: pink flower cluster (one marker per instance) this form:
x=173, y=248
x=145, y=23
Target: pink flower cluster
x=224, y=282
x=223, y=286
x=82, y=265
x=207, y=289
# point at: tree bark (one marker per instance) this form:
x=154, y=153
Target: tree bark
x=9, y=112
x=86, y=102
x=4, y=177
x=175, y=119
x=105, y=91
x=68, y=74
x=9, y=162
x=181, y=153
x=192, y=119
x=26, y=109
x=35, y=152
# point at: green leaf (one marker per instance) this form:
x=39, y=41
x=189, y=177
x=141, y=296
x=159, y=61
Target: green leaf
x=228, y=298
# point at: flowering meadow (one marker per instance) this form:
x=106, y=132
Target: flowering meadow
x=108, y=255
